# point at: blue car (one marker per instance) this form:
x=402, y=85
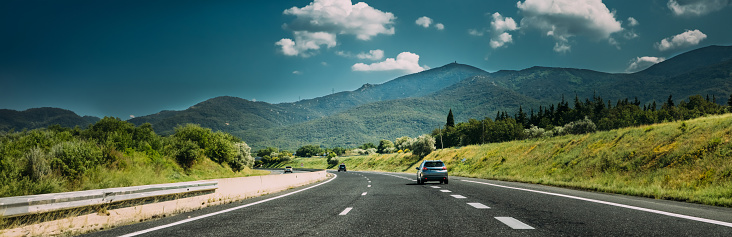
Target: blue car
x=432, y=170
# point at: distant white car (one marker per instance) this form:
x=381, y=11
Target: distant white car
x=288, y=169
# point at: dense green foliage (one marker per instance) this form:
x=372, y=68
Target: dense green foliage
x=108, y=152
x=309, y=150
x=583, y=117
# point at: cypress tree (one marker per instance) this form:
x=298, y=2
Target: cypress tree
x=670, y=102
x=450, y=120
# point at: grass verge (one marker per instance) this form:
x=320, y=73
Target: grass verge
x=687, y=161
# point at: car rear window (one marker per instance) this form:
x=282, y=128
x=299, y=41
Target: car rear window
x=434, y=164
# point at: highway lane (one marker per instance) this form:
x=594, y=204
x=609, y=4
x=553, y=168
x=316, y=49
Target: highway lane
x=392, y=204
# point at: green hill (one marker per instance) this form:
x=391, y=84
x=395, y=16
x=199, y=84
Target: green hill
x=415, y=104
x=41, y=118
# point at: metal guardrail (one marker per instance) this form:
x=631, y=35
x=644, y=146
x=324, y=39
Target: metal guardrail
x=33, y=204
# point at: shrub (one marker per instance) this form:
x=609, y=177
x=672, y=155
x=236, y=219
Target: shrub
x=220, y=147
x=423, y=146
x=186, y=152
x=370, y=151
x=37, y=165
x=534, y=132
x=580, y=126
x=384, y=146
x=308, y=151
x=404, y=143
x=74, y=158
x=243, y=157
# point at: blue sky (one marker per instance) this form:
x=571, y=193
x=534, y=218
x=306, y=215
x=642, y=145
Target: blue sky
x=133, y=58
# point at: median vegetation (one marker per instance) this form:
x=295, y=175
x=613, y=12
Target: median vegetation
x=114, y=153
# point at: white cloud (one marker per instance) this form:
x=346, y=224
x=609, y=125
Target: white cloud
x=632, y=22
x=405, y=61
x=305, y=42
x=502, y=24
x=376, y=54
x=499, y=26
x=297, y=72
x=324, y=63
x=688, y=38
x=475, y=32
x=501, y=40
x=641, y=63
x=561, y=47
x=440, y=26
x=562, y=19
x=696, y=7
x=332, y=17
x=424, y=21
x=132, y=116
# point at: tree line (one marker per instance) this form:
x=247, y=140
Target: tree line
x=583, y=117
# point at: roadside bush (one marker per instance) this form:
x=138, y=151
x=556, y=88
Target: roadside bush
x=309, y=151
x=37, y=166
x=580, y=126
x=370, y=151
x=534, y=132
x=332, y=161
x=243, y=157
x=194, y=133
x=423, y=146
x=220, y=147
x=384, y=146
x=404, y=143
x=74, y=158
x=186, y=152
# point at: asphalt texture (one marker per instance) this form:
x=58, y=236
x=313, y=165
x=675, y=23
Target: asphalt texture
x=393, y=204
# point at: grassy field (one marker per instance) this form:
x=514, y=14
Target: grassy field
x=686, y=161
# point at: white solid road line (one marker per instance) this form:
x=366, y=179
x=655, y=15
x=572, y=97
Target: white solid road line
x=224, y=211
x=458, y=196
x=344, y=212
x=693, y=218
x=445, y=191
x=478, y=205
x=364, y=194
x=515, y=224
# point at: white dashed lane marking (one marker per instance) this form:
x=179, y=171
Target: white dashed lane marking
x=445, y=191
x=364, y=193
x=344, y=212
x=369, y=185
x=458, y=196
x=435, y=186
x=515, y=224
x=478, y=205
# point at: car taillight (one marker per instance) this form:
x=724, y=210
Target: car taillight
x=444, y=168
x=425, y=168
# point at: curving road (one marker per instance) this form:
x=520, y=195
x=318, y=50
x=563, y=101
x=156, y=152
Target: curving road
x=392, y=204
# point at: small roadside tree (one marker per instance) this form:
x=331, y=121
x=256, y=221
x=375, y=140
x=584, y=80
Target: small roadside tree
x=384, y=146
x=423, y=146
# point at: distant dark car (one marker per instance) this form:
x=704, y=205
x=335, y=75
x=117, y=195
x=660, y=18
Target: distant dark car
x=432, y=170
x=342, y=167
x=288, y=169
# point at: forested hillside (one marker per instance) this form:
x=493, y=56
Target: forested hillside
x=416, y=104
x=41, y=118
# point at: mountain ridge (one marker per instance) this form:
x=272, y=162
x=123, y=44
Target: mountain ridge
x=417, y=103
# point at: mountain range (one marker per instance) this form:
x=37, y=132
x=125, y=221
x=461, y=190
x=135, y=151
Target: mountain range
x=415, y=104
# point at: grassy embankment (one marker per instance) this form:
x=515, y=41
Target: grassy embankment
x=685, y=161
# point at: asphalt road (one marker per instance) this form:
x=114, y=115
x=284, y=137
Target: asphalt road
x=392, y=204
